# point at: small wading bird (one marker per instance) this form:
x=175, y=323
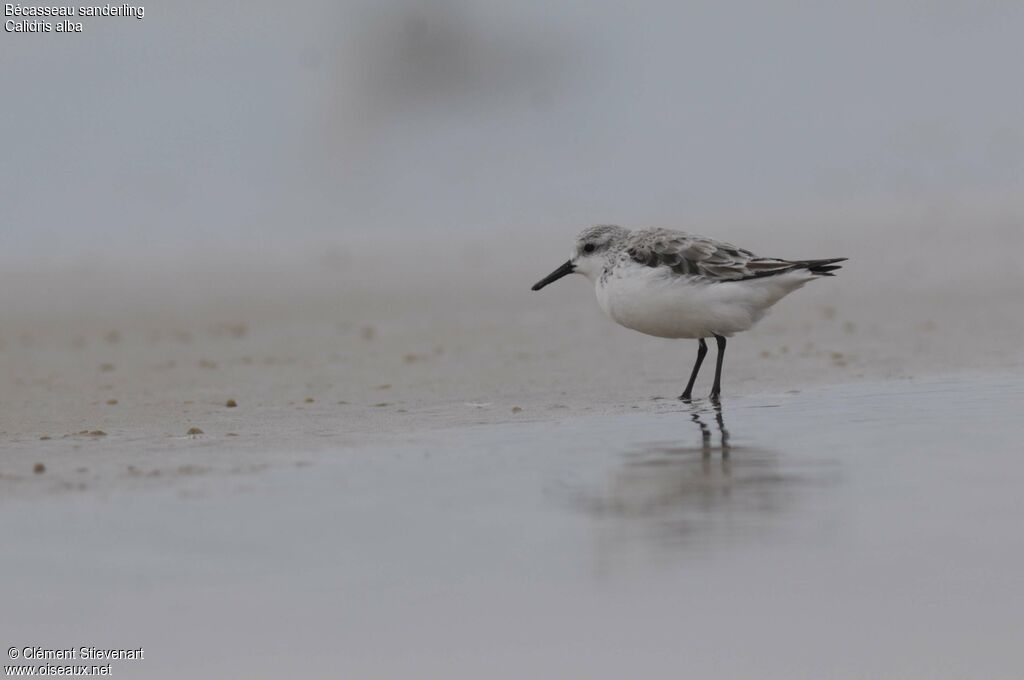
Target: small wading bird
x=671, y=284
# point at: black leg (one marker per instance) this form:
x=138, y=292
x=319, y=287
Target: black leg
x=716, y=389
x=701, y=351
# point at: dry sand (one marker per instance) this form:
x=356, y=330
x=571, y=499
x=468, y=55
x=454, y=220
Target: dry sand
x=108, y=363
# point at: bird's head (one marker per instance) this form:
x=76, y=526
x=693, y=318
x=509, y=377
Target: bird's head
x=590, y=253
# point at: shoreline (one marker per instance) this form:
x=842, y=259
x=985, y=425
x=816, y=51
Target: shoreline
x=353, y=342
x=93, y=465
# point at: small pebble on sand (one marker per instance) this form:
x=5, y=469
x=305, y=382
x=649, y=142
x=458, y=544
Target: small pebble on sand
x=45, y=437
x=39, y=468
x=111, y=402
x=231, y=403
x=310, y=400
x=517, y=409
x=194, y=432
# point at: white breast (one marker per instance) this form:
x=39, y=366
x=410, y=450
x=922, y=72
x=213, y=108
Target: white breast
x=659, y=302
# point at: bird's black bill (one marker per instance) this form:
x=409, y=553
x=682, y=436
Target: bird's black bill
x=564, y=270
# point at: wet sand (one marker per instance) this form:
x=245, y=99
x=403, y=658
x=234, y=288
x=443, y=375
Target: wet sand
x=869, y=530
x=385, y=456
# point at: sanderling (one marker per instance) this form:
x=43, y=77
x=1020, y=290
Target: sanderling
x=671, y=284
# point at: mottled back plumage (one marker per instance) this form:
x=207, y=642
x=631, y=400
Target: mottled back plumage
x=691, y=255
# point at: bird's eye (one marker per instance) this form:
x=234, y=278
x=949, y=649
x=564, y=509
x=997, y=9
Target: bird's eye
x=589, y=248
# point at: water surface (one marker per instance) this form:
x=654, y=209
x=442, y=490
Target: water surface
x=850, y=532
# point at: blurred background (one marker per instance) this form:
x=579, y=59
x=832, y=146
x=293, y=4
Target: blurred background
x=264, y=122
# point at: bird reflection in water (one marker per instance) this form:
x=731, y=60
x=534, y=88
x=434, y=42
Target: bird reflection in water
x=705, y=431
x=678, y=494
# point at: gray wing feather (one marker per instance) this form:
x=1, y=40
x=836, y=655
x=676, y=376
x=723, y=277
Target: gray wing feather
x=692, y=255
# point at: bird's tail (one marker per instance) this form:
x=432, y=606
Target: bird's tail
x=820, y=267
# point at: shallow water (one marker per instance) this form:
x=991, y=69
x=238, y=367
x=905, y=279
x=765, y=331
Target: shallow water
x=851, y=532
